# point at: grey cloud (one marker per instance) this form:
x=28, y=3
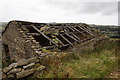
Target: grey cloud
x=105, y=8
x=59, y=11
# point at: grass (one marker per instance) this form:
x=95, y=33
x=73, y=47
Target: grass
x=93, y=66
x=97, y=63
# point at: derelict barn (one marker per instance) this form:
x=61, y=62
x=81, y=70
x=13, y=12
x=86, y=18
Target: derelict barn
x=26, y=39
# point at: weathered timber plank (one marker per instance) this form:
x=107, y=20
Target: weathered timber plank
x=79, y=32
x=71, y=29
x=66, y=39
x=44, y=35
x=59, y=41
x=67, y=26
x=48, y=47
x=66, y=45
x=75, y=36
x=87, y=28
x=86, y=31
x=33, y=34
x=72, y=37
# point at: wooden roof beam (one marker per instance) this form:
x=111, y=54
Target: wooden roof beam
x=86, y=31
x=80, y=32
x=44, y=35
x=66, y=39
x=72, y=37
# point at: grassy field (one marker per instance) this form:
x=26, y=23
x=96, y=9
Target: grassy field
x=95, y=63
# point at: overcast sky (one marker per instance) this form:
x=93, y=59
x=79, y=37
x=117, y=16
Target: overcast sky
x=63, y=11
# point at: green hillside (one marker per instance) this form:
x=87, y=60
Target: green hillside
x=110, y=31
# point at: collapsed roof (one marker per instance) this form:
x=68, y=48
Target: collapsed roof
x=56, y=34
x=27, y=39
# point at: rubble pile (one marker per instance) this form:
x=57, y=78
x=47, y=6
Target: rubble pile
x=23, y=68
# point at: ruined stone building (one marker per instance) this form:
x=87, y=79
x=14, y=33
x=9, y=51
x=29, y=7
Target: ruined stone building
x=22, y=39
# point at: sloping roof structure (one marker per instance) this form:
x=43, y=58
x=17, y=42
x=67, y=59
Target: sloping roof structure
x=56, y=34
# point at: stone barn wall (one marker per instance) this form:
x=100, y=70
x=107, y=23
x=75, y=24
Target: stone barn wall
x=14, y=43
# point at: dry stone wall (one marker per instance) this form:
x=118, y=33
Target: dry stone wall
x=22, y=68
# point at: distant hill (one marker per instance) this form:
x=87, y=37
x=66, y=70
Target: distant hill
x=2, y=27
x=3, y=24
x=111, y=31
